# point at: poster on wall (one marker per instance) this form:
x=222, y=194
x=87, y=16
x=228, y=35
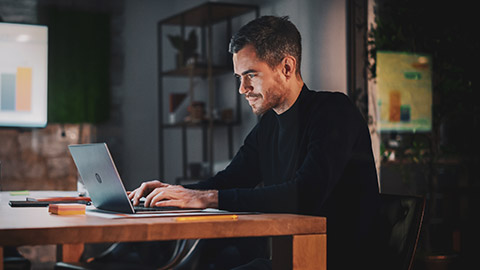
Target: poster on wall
x=404, y=85
x=23, y=75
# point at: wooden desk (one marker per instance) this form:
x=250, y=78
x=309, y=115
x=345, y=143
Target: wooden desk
x=299, y=242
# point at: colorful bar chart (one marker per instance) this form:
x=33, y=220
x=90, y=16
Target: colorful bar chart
x=23, y=75
x=404, y=91
x=16, y=90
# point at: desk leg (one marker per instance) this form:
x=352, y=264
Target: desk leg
x=1, y=258
x=300, y=252
x=69, y=252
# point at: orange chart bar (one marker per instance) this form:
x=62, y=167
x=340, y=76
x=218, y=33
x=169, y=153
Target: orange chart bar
x=24, y=89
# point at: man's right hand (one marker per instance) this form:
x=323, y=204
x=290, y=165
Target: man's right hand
x=144, y=189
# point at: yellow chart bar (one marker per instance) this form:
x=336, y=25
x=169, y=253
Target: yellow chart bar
x=24, y=89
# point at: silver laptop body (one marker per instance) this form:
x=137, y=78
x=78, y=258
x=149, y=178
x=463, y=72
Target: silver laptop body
x=105, y=187
x=100, y=176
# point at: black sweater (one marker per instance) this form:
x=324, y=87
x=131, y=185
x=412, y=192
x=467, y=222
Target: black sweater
x=314, y=159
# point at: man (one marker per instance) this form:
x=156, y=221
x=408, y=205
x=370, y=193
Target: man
x=311, y=151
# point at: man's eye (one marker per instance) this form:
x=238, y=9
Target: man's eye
x=251, y=75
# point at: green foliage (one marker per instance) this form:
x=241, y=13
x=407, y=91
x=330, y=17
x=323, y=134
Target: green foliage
x=78, y=75
x=186, y=47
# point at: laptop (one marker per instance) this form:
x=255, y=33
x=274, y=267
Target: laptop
x=103, y=183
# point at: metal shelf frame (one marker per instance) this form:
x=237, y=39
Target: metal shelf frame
x=203, y=17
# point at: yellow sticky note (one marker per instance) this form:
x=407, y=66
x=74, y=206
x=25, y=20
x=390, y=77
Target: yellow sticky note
x=19, y=192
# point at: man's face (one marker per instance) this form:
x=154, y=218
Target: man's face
x=261, y=85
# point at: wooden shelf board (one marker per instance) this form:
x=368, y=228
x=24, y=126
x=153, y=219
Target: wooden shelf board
x=199, y=16
x=198, y=71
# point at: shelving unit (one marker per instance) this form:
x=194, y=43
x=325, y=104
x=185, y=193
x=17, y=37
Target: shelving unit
x=203, y=18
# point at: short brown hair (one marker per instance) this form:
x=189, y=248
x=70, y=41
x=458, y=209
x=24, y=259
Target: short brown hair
x=272, y=37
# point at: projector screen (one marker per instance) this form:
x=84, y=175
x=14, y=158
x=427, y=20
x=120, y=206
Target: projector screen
x=23, y=75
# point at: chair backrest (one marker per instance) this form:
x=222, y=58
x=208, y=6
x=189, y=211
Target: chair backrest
x=401, y=223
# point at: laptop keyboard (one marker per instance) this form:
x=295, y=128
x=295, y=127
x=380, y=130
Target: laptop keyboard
x=142, y=208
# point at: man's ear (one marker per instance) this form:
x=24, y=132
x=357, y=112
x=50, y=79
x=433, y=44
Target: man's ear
x=289, y=66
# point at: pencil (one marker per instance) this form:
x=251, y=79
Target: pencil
x=207, y=218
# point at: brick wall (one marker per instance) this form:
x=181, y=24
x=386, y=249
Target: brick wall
x=38, y=159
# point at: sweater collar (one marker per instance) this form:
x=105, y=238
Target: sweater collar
x=290, y=117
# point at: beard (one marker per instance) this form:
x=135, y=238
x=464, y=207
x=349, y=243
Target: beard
x=270, y=98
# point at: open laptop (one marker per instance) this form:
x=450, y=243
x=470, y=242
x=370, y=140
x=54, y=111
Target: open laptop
x=103, y=183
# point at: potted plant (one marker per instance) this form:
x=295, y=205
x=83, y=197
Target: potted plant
x=186, y=48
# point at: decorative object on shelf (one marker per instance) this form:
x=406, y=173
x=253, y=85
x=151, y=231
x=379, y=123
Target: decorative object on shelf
x=196, y=112
x=227, y=115
x=177, y=107
x=186, y=48
x=175, y=100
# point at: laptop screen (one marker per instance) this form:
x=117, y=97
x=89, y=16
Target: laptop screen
x=99, y=173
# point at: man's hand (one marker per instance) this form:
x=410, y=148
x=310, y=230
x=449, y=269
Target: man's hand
x=160, y=194
x=144, y=189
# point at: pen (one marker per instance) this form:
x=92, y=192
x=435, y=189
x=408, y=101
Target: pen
x=207, y=218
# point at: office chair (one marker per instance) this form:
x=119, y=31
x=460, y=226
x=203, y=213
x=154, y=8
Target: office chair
x=182, y=250
x=13, y=260
x=186, y=254
x=401, y=220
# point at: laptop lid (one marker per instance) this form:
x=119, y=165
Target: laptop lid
x=100, y=176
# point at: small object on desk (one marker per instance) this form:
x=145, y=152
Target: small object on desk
x=61, y=199
x=19, y=192
x=67, y=209
x=27, y=204
x=207, y=218
x=44, y=202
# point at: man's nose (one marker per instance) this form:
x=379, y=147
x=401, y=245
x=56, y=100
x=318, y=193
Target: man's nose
x=244, y=87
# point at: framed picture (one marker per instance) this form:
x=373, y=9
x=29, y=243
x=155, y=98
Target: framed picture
x=404, y=85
